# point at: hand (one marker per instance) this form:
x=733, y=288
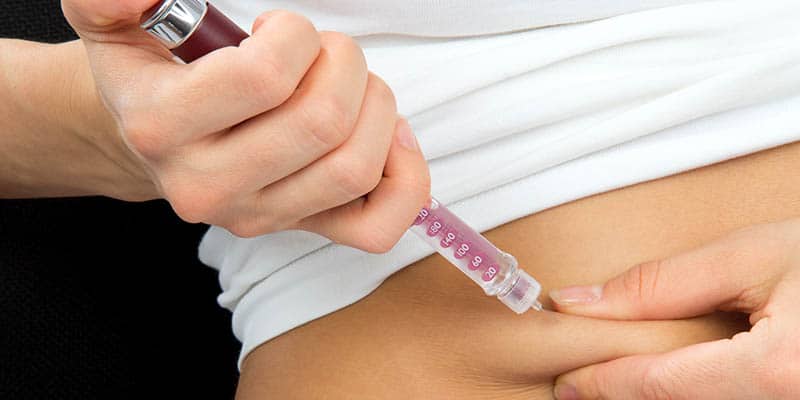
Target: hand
x=756, y=271
x=287, y=131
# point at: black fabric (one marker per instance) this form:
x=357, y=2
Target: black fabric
x=101, y=299
x=39, y=20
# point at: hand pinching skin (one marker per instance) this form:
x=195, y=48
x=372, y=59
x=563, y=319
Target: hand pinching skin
x=754, y=271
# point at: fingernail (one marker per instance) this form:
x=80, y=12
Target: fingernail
x=405, y=136
x=565, y=391
x=577, y=295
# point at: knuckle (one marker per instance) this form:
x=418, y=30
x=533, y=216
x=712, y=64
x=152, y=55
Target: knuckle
x=291, y=25
x=640, y=284
x=379, y=246
x=287, y=19
x=191, y=210
x=247, y=226
x=355, y=176
x=419, y=185
x=245, y=229
x=267, y=75
x=377, y=233
x=328, y=120
x=344, y=51
x=263, y=17
x=293, y=28
x=380, y=91
x=144, y=136
x=265, y=80
x=422, y=185
x=371, y=238
x=344, y=46
x=193, y=205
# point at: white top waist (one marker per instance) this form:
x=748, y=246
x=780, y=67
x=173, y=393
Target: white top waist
x=515, y=123
x=441, y=18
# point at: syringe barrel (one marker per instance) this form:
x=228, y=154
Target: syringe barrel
x=495, y=271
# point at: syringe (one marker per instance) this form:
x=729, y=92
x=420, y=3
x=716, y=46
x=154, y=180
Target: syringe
x=193, y=28
x=492, y=269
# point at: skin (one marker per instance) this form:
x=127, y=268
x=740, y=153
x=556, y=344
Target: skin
x=289, y=130
x=428, y=332
x=754, y=271
x=225, y=138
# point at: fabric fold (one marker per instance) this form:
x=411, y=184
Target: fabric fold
x=516, y=123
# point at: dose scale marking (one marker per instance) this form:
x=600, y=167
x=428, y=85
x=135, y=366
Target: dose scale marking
x=492, y=269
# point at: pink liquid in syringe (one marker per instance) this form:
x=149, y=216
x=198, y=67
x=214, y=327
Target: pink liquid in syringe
x=463, y=246
x=495, y=271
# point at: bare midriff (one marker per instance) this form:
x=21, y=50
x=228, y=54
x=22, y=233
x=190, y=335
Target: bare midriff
x=429, y=333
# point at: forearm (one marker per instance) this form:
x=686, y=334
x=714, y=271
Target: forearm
x=56, y=138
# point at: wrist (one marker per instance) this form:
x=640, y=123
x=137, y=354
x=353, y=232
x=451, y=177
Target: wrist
x=59, y=139
x=87, y=119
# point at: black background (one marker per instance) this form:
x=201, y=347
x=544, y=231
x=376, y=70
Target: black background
x=101, y=299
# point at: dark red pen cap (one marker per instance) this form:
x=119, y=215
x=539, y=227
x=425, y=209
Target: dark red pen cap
x=191, y=28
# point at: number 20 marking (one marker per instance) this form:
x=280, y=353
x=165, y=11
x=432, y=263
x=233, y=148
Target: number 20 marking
x=490, y=273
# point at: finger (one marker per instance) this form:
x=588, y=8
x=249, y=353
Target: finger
x=102, y=16
x=585, y=341
x=735, y=273
x=316, y=120
x=347, y=173
x=225, y=87
x=709, y=371
x=377, y=221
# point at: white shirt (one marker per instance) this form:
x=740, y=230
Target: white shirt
x=440, y=18
x=553, y=114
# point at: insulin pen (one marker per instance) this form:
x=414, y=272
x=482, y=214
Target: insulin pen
x=193, y=28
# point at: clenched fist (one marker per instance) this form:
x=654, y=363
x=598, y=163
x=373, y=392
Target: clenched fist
x=289, y=130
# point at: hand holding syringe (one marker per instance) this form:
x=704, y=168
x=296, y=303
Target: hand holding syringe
x=285, y=129
x=193, y=28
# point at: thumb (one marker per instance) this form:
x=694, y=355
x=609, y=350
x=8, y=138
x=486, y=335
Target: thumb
x=735, y=273
x=97, y=18
x=709, y=371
